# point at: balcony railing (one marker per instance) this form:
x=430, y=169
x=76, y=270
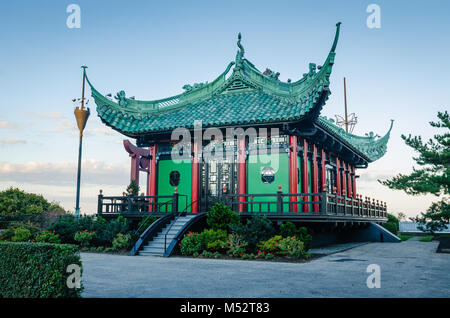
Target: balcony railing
x=301, y=204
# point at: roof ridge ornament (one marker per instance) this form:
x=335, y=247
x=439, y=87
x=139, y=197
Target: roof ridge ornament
x=240, y=52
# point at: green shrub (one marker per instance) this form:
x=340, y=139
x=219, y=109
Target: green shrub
x=271, y=245
x=121, y=241
x=16, y=202
x=84, y=237
x=392, y=224
x=302, y=235
x=31, y=270
x=427, y=238
x=236, y=245
x=288, y=229
x=47, y=237
x=65, y=227
x=100, y=249
x=215, y=240
x=257, y=229
x=21, y=235
x=7, y=234
x=191, y=243
x=269, y=256
x=291, y=246
x=221, y=217
x=404, y=237
x=145, y=222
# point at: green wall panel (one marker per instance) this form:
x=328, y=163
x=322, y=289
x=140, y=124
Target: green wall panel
x=255, y=184
x=165, y=167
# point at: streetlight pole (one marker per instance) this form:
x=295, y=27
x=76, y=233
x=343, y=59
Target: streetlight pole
x=81, y=115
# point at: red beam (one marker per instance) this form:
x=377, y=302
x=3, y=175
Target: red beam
x=354, y=182
x=349, y=181
x=195, y=177
x=293, y=170
x=315, y=179
x=242, y=171
x=305, y=181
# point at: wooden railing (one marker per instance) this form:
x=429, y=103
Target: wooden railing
x=313, y=204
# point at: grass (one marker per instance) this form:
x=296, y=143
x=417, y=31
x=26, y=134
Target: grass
x=405, y=237
x=427, y=238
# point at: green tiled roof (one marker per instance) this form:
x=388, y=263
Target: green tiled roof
x=371, y=147
x=247, y=96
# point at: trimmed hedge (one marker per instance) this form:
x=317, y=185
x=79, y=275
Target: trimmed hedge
x=37, y=270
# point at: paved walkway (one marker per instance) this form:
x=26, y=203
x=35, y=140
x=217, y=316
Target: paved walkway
x=408, y=269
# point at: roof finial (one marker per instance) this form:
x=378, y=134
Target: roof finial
x=240, y=53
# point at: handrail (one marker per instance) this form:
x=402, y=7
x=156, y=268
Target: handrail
x=176, y=217
x=196, y=218
x=150, y=231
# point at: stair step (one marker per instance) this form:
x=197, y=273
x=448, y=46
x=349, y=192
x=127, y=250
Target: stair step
x=142, y=253
x=153, y=249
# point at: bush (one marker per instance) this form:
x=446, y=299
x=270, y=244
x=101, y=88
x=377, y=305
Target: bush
x=47, y=237
x=257, y=229
x=84, y=237
x=191, y=243
x=292, y=246
x=7, y=234
x=145, y=222
x=34, y=270
x=221, y=217
x=215, y=240
x=16, y=202
x=272, y=245
x=392, y=224
x=21, y=235
x=288, y=229
x=236, y=245
x=121, y=241
x=65, y=227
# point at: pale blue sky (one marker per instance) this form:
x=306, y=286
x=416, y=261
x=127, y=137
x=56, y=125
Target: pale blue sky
x=152, y=48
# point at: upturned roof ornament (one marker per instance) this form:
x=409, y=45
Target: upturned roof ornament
x=240, y=53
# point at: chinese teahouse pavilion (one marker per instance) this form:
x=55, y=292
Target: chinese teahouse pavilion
x=312, y=178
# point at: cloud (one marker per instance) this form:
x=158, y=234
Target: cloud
x=61, y=126
x=11, y=141
x=64, y=173
x=5, y=124
x=51, y=115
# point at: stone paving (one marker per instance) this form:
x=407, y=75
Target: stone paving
x=408, y=269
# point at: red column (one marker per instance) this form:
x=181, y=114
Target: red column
x=293, y=171
x=324, y=172
x=354, y=182
x=134, y=175
x=195, y=177
x=148, y=173
x=305, y=181
x=349, y=181
x=242, y=171
x=338, y=177
x=315, y=179
x=344, y=179
x=153, y=174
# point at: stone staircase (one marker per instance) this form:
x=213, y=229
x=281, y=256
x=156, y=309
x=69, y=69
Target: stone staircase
x=155, y=247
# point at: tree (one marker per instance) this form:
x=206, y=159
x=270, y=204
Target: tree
x=134, y=187
x=432, y=176
x=401, y=216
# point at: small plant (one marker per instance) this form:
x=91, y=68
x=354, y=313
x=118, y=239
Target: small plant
x=100, y=249
x=121, y=241
x=244, y=256
x=258, y=228
x=251, y=256
x=215, y=240
x=292, y=246
x=109, y=249
x=191, y=243
x=288, y=229
x=221, y=217
x=217, y=255
x=404, y=237
x=270, y=256
x=21, y=235
x=272, y=245
x=196, y=254
x=47, y=237
x=93, y=249
x=236, y=245
x=84, y=237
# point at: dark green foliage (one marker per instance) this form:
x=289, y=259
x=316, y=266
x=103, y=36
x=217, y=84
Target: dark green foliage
x=105, y=231
x=15, y=202
x=145, y=222
x=221, y=217
x=288, y=229
x=257, y=229
x=34, y=270
x=392, y=224
x=433, y=176
x=192, y=243
x=134, y=187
